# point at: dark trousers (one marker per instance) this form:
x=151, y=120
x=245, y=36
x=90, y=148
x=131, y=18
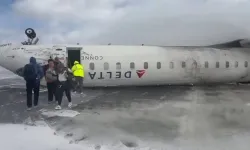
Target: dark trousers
x=32, y=85
x=61, y=88
x=51, y=86
x=78, y=83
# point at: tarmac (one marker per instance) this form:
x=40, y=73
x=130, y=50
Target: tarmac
x=187, y=117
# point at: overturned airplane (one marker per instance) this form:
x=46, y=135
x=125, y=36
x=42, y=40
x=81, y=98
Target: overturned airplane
x=120, y=65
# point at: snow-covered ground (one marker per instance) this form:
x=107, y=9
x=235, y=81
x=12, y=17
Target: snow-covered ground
x=42, y=137
x=61, y=113
x=6, y=74
x=176, y=118
x=23, y=137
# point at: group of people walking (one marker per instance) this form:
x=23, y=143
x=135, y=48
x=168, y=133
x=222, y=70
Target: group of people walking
x=60, y=79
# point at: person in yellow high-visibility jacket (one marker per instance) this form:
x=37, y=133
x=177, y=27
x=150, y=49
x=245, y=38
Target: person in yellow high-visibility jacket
x=78, y=72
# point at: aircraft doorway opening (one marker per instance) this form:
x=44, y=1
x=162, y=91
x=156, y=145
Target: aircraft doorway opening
x=73, y=55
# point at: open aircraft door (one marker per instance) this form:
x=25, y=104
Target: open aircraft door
x=61, y=53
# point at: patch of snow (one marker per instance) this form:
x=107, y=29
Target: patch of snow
x=8, y=77
x=41, y=137
x=23, y=137
x=61, y=113
x=43, y=90
x=10, y=85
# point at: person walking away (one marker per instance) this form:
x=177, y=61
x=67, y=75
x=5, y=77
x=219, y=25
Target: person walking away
x=51, y=79
x=32, y=74
x=63, y=86
x=78, y=72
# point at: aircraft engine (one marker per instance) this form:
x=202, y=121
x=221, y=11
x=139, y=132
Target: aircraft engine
x=30, y=33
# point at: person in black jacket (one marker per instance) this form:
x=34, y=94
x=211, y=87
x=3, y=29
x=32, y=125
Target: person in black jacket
x=63, y=85
x=32, y=74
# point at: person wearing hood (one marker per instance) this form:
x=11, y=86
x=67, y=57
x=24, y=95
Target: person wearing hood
x=32, y=74
x=78, y=72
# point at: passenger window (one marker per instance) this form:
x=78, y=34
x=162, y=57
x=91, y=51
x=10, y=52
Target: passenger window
x=217, y=64
x=118, y=66
x=246, y=64
x=206, y=64
x=106, y=66
x=145, y=65
x=183, y=64
x=158, y=65
x=227, y=64
x=132, y=65
x=236, y=64
x=91, y=66
x=171, y=65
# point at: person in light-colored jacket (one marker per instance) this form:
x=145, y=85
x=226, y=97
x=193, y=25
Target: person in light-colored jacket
x=51, y=79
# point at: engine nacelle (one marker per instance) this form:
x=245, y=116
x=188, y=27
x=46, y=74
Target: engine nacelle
x=31, y=34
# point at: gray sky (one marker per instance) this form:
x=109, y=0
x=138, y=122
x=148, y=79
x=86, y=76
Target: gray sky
x=154, y=22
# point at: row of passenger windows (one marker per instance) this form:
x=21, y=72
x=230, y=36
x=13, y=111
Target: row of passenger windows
x=171, y=65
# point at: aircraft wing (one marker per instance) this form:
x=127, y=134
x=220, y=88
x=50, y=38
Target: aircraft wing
x=240, y=43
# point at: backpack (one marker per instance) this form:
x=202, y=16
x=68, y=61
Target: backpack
x=30, y=72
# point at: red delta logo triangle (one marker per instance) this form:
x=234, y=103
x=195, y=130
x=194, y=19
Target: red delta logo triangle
x=140, y=73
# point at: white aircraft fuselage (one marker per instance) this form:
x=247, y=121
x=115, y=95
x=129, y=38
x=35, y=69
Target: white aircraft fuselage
x=115, y=65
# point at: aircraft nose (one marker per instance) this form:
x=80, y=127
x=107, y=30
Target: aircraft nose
x=4, y=47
